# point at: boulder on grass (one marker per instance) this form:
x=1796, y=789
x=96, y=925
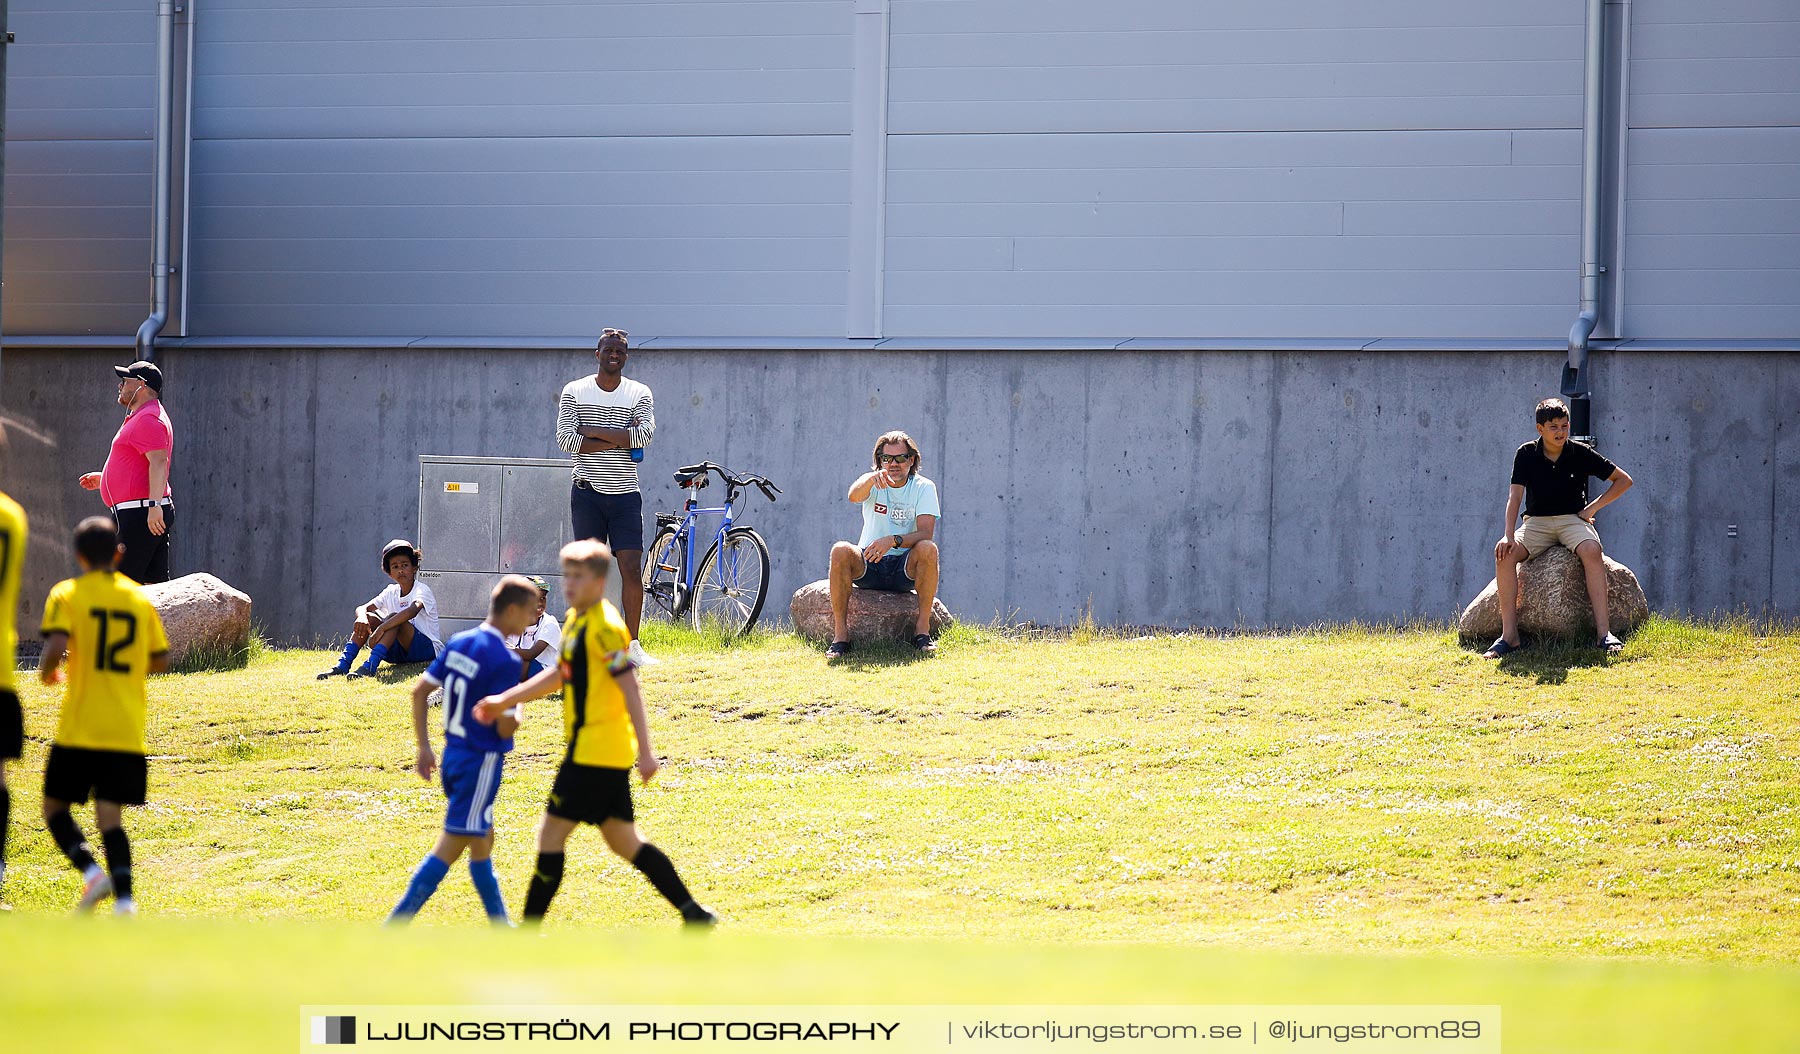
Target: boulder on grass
x=199, y=611
x=1553, y=600
x=874, y=615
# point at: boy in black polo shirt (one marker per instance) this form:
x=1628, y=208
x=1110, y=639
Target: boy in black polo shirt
x=1550, y=475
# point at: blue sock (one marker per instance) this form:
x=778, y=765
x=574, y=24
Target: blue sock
x=481, y=872
x=349, y=657
x=373, y=662
x=424, y=883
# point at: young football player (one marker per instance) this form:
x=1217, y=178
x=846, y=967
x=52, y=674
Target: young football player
x=607, y=731
x=12, y=716
x=106, y=627
x=400, y=625
x=475, y=664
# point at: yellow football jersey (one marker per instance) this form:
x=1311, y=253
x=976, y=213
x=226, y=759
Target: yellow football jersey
x=12, y=566
x=595, y=720
x=113, y=630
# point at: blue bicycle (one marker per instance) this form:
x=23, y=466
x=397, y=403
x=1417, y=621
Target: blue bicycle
x=726, y=587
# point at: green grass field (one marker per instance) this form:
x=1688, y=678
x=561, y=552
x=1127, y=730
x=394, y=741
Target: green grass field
x=1606, y=846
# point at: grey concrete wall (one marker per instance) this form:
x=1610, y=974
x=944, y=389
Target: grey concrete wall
x=1172, y=488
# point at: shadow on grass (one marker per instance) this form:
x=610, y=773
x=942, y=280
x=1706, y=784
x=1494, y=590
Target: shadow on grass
x=1549, y=661
x=871, y=655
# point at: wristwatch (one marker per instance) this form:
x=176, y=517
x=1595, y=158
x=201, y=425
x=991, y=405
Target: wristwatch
x=899, y=541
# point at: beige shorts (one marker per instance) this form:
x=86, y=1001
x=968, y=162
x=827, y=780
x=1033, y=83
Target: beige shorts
x=1541, y=532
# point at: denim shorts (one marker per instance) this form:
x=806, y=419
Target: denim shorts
x=887, y=574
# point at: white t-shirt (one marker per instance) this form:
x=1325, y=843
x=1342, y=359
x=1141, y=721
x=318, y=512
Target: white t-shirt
x=546, y=630
x=390, y=602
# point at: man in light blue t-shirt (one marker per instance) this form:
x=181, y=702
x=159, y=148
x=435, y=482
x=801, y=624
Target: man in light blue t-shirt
x=896, y=553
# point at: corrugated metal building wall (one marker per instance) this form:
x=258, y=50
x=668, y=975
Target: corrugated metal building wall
x=1144, y=168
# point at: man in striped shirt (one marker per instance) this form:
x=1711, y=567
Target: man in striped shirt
x=604, y=422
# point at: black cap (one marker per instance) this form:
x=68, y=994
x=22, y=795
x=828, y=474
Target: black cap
x=398, y=545
x=148, y=372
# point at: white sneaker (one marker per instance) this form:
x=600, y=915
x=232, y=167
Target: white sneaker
x=97, y=888
x=125, y=906
x=639, y=657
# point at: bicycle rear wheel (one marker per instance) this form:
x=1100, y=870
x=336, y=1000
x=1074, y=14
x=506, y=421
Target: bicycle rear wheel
x=662, y=576
x=732, y=583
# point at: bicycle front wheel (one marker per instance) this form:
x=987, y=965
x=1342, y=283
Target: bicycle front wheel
x=662, y=576
x=732, y=583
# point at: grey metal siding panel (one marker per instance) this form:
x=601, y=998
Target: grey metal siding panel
x=80, y=89
x=1719, y=64
x=1712, y=217
x=1400, y=168
x=534, y=237
x=1421, y=234
x=490, y=169
x=1139, y=65
x=284, y=70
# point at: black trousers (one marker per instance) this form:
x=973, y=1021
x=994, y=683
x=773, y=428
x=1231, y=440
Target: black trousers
x=146, y=559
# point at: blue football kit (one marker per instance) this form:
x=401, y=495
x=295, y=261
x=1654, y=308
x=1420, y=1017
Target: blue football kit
x=474, y=665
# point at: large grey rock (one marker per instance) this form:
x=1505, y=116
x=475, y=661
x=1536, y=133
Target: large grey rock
x=1553, y=600
x=200, y=611
x=874, y=615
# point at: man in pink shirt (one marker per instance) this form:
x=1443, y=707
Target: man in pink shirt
x=135, y=482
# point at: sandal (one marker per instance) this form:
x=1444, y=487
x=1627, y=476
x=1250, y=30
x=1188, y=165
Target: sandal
x=924, y=644
x=1611, y=645
x=838, y=649
x=1500, y=649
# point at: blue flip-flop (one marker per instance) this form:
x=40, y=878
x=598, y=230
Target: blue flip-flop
x=1500, y=649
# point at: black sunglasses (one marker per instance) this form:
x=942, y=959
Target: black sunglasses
x=884, y=459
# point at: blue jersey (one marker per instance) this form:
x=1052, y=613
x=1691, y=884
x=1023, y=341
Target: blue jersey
x=474, y=665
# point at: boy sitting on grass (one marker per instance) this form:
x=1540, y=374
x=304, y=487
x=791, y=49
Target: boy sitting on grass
x=538, y=644
x=476, y=663
x=603, y=717
x=400, y=625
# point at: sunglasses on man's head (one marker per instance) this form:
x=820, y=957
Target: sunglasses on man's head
x=614, y=333
x=895, y=459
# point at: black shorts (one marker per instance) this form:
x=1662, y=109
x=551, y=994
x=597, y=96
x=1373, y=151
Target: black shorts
x=589, y=794
x=12, y=725
x=616, y=519
x=109, y=775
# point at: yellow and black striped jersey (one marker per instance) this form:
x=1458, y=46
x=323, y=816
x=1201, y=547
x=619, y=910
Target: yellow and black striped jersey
x=598, y=728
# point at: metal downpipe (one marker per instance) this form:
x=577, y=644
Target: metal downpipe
x=1575, y=378
x=160, y=205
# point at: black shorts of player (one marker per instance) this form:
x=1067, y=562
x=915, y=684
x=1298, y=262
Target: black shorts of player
x=12, y=726
x=109, y=775
x=590, y=794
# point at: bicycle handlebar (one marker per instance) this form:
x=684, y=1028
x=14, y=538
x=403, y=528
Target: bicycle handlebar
x=695, y=476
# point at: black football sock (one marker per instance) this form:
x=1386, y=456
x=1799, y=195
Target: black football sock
x=118, y=860
x=544, y=880
x=655, y=865
x=5, y=820
x=69, y=840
